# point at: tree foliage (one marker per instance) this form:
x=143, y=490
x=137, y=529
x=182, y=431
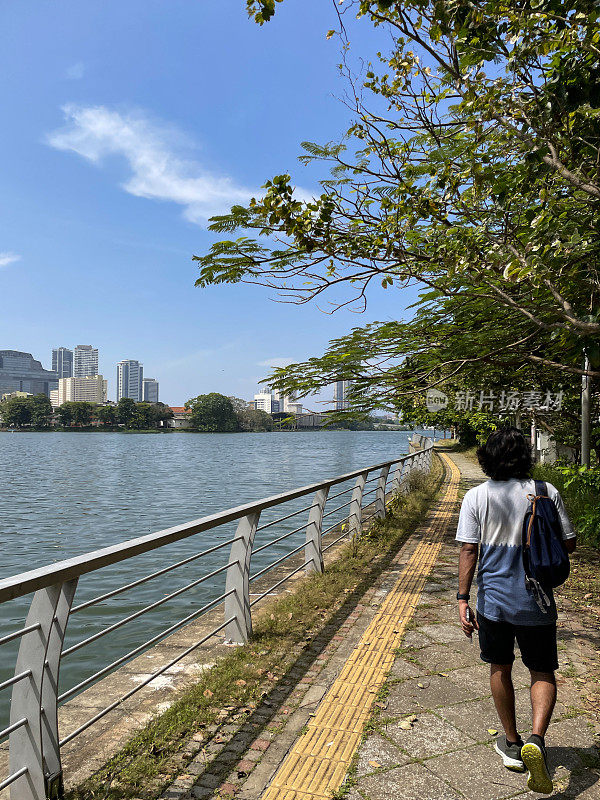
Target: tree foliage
x=76, y=412
x=251, y=419
x=472, y=168
x=212, y=413
x=34, y=411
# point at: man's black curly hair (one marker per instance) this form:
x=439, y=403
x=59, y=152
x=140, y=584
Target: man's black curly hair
x=506, y=455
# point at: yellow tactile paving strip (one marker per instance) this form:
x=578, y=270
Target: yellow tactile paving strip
x=316, y=765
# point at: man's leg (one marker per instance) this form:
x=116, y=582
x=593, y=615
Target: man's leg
x=539, y=653
x=543, y=698
x=503, y=693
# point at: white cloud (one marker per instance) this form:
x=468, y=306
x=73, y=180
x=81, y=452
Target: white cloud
x=157, y=171
x=76, y=71
x=7, y=258
x=276, y=362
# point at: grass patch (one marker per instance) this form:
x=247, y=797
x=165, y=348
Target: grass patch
x=583, y=586
x=234, y=687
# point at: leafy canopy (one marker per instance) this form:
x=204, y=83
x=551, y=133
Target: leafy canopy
x=471, y=168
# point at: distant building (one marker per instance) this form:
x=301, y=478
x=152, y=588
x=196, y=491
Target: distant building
x=340, y=395
x=62, y=362
x=130, y=376
x=265, y=401
x=149, y=390
x=180, y=419
x=91, y=389
x=14, y=395
x=20, y=372
x=287, y=402
x=85, y=361
x=54, y=398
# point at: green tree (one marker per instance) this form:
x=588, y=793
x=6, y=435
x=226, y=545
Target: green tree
x=76, y=412
x=82, y=413
x=470, y=168
x=212, y=413
x=41, y=411
x=107, y=415
x=144, y=417
x=65, y=413
x=16, y=412
x=125, y=410
x=251, y=419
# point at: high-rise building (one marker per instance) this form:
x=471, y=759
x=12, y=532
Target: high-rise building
x=85, y=361
x=91, y=389
x=20, y=372
x=130, y=375
x=62, y=362
x=265, y=401
x=287, y=402
x=340, y=395
x=149, y=390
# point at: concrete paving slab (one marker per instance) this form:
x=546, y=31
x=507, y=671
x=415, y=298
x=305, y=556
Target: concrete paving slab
x=445, y=633
x=475, y=678
x=402, y=669
x=429, y=736
x=416, y=639
x=412, y=782
x=575, y=732
x=479, y=773
x=440, y=657
x=435, y=691
x=378, y=752
x=473, y=718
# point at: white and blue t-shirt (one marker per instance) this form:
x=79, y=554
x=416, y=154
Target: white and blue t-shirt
x=491, y=515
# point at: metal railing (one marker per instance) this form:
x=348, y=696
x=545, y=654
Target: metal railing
x=33, y=736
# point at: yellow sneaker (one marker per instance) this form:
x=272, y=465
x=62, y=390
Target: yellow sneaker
x=533, y=754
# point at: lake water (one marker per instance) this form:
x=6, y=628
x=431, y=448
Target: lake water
x=63, y=494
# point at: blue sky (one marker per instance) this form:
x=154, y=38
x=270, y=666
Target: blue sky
x=125, y=126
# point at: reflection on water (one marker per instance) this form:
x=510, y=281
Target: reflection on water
x=64, y=494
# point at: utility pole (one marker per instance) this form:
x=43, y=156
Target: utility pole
x=586, y=408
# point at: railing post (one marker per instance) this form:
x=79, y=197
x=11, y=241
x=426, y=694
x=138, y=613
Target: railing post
x=410, y=465
x=398, y=474
x=380, y=493
x=39, y=654
x=237, y=604
x=50, y=738
x=355, y=517
x=313, y=552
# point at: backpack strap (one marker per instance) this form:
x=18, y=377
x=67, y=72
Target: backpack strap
x=541, y=490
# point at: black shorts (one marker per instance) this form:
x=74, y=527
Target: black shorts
x=537, y=644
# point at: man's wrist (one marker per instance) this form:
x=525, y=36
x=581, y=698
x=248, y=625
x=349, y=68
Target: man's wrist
x=463, y=596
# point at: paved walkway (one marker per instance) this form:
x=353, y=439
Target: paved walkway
x=396, y=705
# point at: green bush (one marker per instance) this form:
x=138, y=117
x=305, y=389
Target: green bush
x=580, y=489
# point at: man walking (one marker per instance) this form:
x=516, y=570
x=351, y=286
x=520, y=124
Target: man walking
x=490, y=526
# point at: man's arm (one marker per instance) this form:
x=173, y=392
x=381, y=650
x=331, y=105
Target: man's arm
x=467, y=561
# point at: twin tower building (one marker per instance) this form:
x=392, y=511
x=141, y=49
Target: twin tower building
x=78, y=375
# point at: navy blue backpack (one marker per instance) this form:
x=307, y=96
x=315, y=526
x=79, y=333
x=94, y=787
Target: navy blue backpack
x=545, y=558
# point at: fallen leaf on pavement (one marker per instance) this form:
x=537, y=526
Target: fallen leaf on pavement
x=492, y=731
